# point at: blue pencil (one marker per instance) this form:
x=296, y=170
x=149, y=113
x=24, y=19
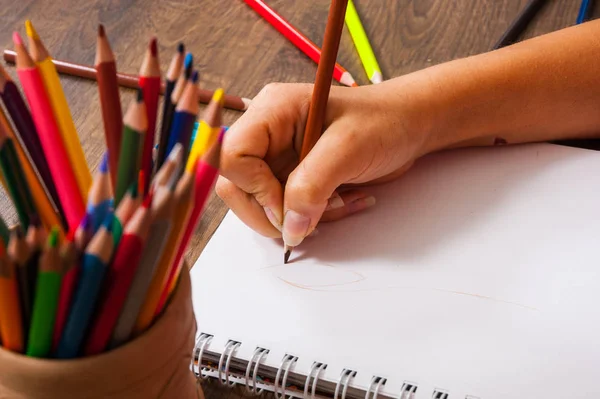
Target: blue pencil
x=100, y=198
x=186, y=114
x=584, y=11
x=93, y=268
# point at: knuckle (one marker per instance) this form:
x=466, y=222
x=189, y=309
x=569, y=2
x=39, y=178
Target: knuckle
x=304, y=189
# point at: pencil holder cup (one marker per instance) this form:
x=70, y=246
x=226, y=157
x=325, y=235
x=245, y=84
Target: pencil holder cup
x=154, y=365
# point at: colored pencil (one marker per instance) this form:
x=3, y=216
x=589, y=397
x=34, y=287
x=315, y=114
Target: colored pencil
x=208, y=130
x=185, y=116
x=206, y=175
x=184, y=196
x=585, y=11
x=11, y=327
x=27, y=133
x=120, y=277
x=69, y=258
x=516, y=28
x=174, y=71
x=83, y=234
x=132, y=81
x=362, y=44
x=49, y=134
x=320, y=95
x=181, y=82
x=18, y=252
x=60, y=108
x=150, y=85
x=169, y=167
x=93, y=269
x=41, y=198
x=15, y=178
x=35, y=239
x=100, y=198
x=135, y=124
x=45, y=304
x=163, y=207
x=298, y=39
x=127, y=207
x=110, y=101
x=4, y=232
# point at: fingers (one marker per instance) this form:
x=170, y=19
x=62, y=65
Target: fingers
x=246, y=207
x=347, y=203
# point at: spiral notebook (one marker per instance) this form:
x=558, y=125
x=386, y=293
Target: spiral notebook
x=476, y=275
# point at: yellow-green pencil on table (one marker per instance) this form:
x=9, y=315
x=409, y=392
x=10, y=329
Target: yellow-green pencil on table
x=46, y=299
x=361, y=41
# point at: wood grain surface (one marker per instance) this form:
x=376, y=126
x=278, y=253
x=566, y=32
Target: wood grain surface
x=237, y=50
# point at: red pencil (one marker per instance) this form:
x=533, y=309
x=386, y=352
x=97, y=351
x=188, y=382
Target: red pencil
x=119, y=279
x=298, y=39
x=49, y=134
x=207, y=171
x=150, y=84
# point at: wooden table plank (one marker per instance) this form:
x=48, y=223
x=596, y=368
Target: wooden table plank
x=237, y=50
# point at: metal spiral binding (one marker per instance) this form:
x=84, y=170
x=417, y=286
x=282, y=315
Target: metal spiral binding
x=203, y=341
x=286, y=364
x=228, y=352
x=319, y=368
x=408, y=390
x=439, y=394
x=258, y=356
x=377, y=382
x=344, y=381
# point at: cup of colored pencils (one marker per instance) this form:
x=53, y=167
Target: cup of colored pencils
x=94, y=260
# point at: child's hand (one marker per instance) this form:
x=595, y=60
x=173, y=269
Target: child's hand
x=366, y=140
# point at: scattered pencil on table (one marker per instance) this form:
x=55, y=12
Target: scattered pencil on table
x=96, y=254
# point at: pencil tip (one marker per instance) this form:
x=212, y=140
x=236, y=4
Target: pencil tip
x=153, y=47
x=187, y=64
x=148, y=200
x=30, y=30
x=218, y=96
x=180, y=48
x=140, y=95
x=286, y=256
x=104, y=163
x=354, y=85
x=17, y=39
x=101, y=30
x=133, y=190
x=222, y=134
x=53, y=237
x=195, y=77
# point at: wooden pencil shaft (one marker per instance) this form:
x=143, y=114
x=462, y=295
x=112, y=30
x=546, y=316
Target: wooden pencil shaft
x=318, y=104
x=518, y=26
x=127, y=80
x=165, y=128
x=129, y=161
x=112, y=116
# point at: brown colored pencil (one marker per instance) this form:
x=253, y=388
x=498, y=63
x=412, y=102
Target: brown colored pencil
x=131, y=81
x=18, y=252
x=108, y=88
x=320, y=96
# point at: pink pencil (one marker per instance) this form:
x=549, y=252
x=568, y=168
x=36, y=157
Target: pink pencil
x=50, y=137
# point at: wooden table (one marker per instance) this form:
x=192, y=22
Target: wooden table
x=237, y=50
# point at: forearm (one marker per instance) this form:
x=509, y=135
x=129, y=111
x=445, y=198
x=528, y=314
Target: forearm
x=546, y=88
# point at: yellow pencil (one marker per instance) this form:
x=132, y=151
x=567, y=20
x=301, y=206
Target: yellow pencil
x=208, y=129
x=43, y=205
x=361, y=41
x=61, y=110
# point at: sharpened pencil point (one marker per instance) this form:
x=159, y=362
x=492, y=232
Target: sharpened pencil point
x=53, y=237
x=30, y=30
x=148, y=200
x=17, y=39
x=104, y=163
x=180, y=48
x=187, y=65
x=153, y=47
x=140, y=95
x=195, y=76
x=101, y=30
x=286, y=255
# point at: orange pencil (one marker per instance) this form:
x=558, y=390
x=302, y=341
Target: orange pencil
x=50, y=137
x=11, y=326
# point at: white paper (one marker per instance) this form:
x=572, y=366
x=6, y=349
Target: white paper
x=478, y=272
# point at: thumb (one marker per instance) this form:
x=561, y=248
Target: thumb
x=334, y=160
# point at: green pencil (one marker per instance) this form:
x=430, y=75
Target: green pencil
x=135, y=124
x=15, y=180
x=46, y=299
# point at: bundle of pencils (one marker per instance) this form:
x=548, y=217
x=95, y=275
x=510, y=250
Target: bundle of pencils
x=93, y=261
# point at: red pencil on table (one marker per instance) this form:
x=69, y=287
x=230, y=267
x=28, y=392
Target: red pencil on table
x=150, y=84
x=120, y=276
x=49, y=134
x=298, y=39
x=207, y=171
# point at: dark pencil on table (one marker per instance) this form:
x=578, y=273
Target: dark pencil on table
x=110, y=102
x=320, y=95
x=174, y=71
x=518, y=26
x=132, y=81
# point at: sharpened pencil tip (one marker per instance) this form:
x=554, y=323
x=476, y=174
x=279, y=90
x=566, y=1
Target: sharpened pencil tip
x=180, y=48
x=101, y=30
x=148, y=200
x=104, y=163
x=153, y=47
x=195, y=76
x=53, y=237
x=17, y=39
x=30, y=30
x=140, y=95
x=286, y=256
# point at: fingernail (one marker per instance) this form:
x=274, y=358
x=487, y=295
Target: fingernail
x=361, y=204
x=295, y=228
x=335, y=202
x=272, y=218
